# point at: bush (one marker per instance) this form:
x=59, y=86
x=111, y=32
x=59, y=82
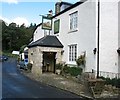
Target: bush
x=9, y=54
x=113, y=82
x=65, y=69
x=58, y=66
x=73, y=71
x=29, y=66
x=81, y=60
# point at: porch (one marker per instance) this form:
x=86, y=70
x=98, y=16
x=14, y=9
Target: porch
x=44, y=54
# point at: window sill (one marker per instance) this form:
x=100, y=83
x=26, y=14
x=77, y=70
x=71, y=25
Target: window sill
x=56, y=34
x=75, y=30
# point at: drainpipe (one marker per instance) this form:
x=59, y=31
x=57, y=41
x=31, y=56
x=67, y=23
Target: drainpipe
x=98, y=38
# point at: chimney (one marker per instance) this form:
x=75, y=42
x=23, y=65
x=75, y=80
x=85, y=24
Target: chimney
x=57, y=8
x=50, y=13
x=60, y=6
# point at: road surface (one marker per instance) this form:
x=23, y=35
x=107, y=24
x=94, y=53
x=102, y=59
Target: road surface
x=16, y=85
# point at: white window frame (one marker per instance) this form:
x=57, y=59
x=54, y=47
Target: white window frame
x=73, y=25
x=72, y=52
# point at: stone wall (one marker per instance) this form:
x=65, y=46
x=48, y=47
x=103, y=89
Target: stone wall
x=35, y=56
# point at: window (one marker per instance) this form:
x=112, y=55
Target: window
x=56, y=26
x=73, y=20
x=72, y=52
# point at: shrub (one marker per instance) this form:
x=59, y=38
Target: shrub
x=73, y=71
x=65, y=69
x=29, y=66
x=113, y=82
x=59, y=66
x=81, y=60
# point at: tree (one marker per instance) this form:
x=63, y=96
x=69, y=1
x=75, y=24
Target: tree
x=14, y=37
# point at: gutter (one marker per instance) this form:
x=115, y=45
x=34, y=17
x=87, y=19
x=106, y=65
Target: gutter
x=98, y=39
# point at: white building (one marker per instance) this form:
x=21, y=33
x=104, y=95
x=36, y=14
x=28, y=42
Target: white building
x=89, y=28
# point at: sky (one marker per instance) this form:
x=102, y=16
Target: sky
x=26, y=11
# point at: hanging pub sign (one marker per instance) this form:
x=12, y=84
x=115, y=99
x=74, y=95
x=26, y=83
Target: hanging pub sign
x=56, y=26
x=46, y=23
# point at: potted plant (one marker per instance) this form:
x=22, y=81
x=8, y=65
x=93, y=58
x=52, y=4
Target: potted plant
x=58, y=68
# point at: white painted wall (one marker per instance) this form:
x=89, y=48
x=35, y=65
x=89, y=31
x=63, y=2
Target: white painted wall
x=109, y=37
x=39, y=33
x=119, y=35
x=85, y=37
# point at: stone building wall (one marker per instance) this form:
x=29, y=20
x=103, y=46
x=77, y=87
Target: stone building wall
x=35, y=56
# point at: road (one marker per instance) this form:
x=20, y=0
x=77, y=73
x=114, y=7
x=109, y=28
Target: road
x=16, y=85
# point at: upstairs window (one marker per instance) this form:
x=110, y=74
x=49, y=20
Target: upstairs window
x=72, y=52
x=74, y=20
x=56, y=26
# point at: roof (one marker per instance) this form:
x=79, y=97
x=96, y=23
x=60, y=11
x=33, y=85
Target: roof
x=72, y=6
x=15, y=52
x=47, y=41
x=37, y=27
x=67, y=3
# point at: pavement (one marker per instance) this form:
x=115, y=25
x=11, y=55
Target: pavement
x=61, y=82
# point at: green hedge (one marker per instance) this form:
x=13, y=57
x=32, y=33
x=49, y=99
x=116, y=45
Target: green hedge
x=9, y=54
x=73, y=71
x=113, y=82
x=59, y=66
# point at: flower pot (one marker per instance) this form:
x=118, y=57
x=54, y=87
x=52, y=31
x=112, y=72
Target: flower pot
x=58, y=71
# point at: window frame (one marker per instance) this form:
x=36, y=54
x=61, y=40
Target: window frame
x=73, y=21
x=72, y=52
x=57, y=23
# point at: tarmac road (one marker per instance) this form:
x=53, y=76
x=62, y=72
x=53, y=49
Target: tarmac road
x=16, y=85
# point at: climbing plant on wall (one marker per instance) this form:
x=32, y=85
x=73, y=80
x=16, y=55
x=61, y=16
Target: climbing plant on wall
x=81, y=60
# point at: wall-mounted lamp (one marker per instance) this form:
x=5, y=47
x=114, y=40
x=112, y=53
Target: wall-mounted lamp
x=118, y=50
x=62, y=52
x=94, y=50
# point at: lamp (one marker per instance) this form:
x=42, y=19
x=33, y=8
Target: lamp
x=62, y=52
x=94, y=50
x=118, y=50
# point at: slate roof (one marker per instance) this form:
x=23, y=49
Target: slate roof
x=69, y=8
x=47, y=41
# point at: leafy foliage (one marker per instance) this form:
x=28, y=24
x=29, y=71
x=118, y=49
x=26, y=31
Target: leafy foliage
x=73, y=71
x=14, y=37
x=81, y=60
x=113, y=82
x=58, y=66
x=29, y=66
x=22, y=48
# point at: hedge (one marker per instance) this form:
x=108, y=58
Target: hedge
x=113, y=82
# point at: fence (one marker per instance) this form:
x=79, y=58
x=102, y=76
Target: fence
x=108, y=74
